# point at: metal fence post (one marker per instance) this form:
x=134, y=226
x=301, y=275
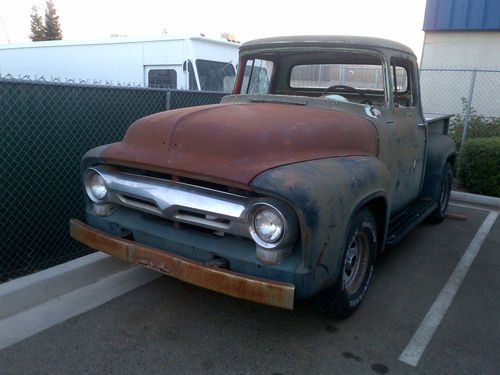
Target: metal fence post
x=169, y=98
x=468, y=108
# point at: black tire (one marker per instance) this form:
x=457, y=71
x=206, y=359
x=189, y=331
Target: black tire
x=342, y=299
x=439, y=214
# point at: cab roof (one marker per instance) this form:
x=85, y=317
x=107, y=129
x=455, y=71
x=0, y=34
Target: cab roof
x=324, y=41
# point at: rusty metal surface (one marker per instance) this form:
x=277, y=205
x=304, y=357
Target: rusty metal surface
x=234, y=142
x=220, y=280
x=325, y=193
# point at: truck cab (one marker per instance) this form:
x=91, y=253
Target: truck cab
x=288, y=189
x=380, y=82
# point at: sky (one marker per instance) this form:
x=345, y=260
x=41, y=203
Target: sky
x=399, y=20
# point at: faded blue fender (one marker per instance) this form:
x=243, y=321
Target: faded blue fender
x=325, y=194
x=440, y=149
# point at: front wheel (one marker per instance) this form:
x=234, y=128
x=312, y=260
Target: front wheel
x=439, y=214
x=342, y=299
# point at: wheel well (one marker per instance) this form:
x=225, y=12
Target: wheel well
x=452, y=160
x=378, y=206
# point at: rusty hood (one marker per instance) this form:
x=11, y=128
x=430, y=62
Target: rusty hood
x=234, y=142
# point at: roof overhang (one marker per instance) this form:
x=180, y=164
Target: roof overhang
x=325, y=41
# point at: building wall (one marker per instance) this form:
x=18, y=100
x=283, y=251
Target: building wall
x=461, y=50
x=461, y=57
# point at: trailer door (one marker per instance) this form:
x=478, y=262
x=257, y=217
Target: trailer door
x=164, y=76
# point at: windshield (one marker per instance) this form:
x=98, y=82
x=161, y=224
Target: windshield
x=215, y=75
x=353, y=76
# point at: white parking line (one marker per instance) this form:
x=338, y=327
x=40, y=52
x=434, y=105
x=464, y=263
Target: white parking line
x=38, y=318
x=474, y=207
x=416, y=347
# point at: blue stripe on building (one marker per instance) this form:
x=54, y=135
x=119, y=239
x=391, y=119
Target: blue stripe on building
x=447, y=15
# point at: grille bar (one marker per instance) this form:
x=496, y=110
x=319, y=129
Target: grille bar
x=176, y=201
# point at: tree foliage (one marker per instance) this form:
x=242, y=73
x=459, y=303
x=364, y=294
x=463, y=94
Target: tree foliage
x=37, y=26
x=52, y=26
x=478, y=126
x=478, y=165
x=48, y=30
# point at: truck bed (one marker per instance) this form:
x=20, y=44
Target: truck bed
x=438, y=124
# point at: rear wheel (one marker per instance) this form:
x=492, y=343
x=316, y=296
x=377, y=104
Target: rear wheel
x=439, y=214
x=346, y=294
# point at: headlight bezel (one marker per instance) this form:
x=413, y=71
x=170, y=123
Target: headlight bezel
x=87, y=182
x=287, y=218
x=254, y=232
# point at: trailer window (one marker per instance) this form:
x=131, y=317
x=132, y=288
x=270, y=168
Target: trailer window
x=162, y=78
x=213, y=73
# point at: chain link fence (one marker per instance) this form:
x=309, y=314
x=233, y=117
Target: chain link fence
x=45, y=128
x=470, y=95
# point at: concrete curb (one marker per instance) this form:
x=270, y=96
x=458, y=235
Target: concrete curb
x=23, y=293
x=475, y=199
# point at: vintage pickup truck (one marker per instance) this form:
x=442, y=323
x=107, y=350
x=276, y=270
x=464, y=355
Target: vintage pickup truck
x=290, y=187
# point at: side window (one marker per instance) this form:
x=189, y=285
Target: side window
x=257, y=77
x=162, y=78
x=402, y=89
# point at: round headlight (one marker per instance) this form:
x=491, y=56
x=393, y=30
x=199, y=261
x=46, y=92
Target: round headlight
x=269, y=225
x=95, y=186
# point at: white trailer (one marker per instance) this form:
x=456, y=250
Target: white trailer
x=176, y=62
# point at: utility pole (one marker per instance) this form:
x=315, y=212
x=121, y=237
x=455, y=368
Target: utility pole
x=5, y=30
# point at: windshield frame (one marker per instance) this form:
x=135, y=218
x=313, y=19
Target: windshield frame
x=275, y=55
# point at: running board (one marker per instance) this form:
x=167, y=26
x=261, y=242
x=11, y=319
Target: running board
x=404, y=222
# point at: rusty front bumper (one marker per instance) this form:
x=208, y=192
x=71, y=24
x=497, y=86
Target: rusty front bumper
x=234, y=284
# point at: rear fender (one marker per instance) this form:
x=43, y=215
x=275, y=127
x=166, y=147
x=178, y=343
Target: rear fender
x=440, y=149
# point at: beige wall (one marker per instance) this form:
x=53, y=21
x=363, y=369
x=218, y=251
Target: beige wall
x=461, y=50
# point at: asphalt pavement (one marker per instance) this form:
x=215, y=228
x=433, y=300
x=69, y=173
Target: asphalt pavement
x=169, y=327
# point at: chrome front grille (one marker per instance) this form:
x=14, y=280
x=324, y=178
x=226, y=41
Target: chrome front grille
x=177, y=201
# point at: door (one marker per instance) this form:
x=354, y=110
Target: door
x=410, y=134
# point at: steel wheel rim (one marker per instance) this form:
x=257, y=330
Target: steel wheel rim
x=356, y=262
